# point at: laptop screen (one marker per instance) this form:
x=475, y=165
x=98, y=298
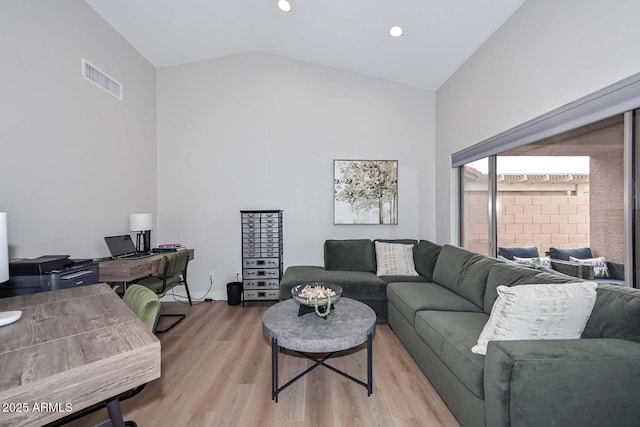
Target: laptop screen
x=120, y=245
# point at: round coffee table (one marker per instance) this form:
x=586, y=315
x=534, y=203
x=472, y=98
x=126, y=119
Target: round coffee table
x=349, y=324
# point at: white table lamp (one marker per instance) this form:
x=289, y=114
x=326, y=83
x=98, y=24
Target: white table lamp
x=142, y=223
x=6, y=317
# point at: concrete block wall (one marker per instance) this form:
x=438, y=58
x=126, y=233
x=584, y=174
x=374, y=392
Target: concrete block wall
x=528, y=220
x=543, y=221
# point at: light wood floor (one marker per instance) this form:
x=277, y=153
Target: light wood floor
x=216, y=371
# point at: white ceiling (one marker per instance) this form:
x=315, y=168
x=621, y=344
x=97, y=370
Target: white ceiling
x=351, y=35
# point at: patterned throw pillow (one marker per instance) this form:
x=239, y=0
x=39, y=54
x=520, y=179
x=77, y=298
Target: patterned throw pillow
x=538, y=312
x=395, y=259
x=600, y=270
x=536, y=262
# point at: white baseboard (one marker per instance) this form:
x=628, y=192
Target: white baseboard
x=181, y=295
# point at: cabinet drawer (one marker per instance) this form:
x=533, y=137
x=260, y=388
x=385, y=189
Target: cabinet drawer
x=251, y=214
x=270, y=252
x=269, y=242
x=251, y=253
x=246, y=228
x=266, y=273
x=261, y=284
x=261, y=295
x=270, y=215
x=261, y=263
x=270, y=220
x=250, y=220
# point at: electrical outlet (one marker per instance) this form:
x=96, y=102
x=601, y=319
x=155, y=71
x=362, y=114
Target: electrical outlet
x=212, y=275
x=238, y=276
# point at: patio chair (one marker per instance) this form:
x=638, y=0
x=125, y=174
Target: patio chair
x=509, y=252
x=560, y=262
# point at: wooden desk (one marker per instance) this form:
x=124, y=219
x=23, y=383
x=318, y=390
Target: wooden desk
x=71, y=348
x=128, y=270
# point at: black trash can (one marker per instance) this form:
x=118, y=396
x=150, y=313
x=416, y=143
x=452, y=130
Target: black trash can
x=234, y=293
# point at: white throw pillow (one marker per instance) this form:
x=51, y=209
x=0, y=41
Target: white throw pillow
x=395, y=259
x=538, y=312
x=544, y=261
x=600, y=270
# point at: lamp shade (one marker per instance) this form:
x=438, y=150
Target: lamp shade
x=140, y=222
x=4, y=249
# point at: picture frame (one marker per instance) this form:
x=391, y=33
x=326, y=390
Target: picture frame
x=365, y=192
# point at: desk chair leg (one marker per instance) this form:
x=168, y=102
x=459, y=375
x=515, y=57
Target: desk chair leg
x=173, y=325
x=188, y=294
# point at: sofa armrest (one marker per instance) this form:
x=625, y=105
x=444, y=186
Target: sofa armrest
x=585, y=272
x=587, y=382
x=616, y=270
x=574, y=269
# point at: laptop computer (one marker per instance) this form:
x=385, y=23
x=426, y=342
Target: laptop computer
x=123, y=247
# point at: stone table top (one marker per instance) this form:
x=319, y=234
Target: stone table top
x=347, y=326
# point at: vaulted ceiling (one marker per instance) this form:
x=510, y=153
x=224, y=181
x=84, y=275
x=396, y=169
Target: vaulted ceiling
x=351, y=35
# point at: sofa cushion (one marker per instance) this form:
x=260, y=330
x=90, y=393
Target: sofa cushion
x=544, y=312
x=349, y=255
x=464, y=272
x=616, y=314
x=358, y=285
x=450, y=335
x=426, y=257
x=408, y=298
x=564, y=254
x=400, y=241
x=518, y=251
x=395, y=259
x=507, y=274
x=611, y=282
x=391, y=279
x=550, y=270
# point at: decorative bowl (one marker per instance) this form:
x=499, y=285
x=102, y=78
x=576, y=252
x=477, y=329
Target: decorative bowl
x=321, y=300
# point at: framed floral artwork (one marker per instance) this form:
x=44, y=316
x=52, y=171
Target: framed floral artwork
x=365, y=192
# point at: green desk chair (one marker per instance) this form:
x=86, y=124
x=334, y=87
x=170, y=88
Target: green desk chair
x=171, y=272
x=146, y=305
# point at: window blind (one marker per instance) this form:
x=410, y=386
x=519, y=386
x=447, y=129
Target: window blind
x=609, y=101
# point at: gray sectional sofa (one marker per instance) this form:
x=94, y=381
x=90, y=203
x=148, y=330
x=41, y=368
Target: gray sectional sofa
x=439, y=315
x=352, y=265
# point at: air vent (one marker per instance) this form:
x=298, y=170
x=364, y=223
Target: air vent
x=100, y=79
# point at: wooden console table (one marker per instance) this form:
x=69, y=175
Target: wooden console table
x=71, y=348
x=128, y=270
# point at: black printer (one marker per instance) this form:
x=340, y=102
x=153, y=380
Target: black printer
x=48, y=273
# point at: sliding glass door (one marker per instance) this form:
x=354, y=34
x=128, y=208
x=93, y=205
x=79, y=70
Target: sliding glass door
x=567, y=191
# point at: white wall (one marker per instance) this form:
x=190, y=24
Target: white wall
x=547, y=54
x=74, y=160
x=254, y=131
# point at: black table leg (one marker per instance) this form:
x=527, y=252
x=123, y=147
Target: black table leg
x=274, y=369
x=369, y=365
x=318, y=362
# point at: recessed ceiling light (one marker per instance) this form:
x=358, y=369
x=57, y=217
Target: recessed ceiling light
x=284, y=5
x=395, y=31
